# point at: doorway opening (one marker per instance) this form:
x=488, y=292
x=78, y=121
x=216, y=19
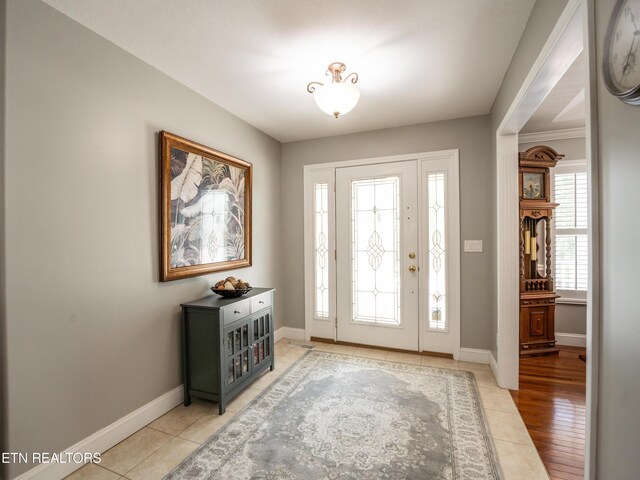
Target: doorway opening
x=382, y=252
x=536, y=117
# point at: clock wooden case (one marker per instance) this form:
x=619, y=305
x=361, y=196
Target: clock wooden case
x=537, y=292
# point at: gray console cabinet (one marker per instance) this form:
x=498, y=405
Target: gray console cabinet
x=227, y=343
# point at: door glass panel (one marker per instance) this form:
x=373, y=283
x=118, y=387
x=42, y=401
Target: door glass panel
x=267, y=347
x=245, y=336
x=237, y=340
x=245, y=362
x=255, y=330
x=230, y=343
x=436, y=311
x=261, y=322
x=321, y=239
x=238, y=368
x=256, y=352
x=262, y=350
x=230, y=377
x=375, y=256
x=266, y=324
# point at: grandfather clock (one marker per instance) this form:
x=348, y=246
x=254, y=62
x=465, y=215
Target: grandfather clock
x=537, y=293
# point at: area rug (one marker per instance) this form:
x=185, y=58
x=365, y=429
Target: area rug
x=333, y=416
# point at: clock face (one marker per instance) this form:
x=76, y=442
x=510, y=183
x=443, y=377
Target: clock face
x=621, y=66
x=532, y=185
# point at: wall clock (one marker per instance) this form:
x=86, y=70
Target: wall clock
x=621, y=58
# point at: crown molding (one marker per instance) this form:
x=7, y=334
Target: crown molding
x=551, y=135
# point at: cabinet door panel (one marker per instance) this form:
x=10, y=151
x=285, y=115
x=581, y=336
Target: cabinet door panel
x=538, y=322
x=261, y=333
x=237, y=348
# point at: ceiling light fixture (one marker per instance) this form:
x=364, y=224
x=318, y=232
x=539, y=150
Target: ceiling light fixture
x=338, y=97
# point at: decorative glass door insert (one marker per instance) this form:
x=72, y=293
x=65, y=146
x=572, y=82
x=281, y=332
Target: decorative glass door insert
x=321, y=245
x=437, y=285
x=375, y=251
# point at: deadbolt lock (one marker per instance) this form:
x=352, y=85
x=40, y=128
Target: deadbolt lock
x=412, y=255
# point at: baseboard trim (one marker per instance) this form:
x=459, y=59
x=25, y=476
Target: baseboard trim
x=289, y=332
x=474, y=355
x=104, y=439
x=571, y=339
x=493, y=364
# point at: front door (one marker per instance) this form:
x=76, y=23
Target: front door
x=377, y=249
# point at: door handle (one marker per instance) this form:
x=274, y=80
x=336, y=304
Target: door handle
x=413, y=268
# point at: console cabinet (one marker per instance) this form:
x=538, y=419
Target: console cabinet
x=227, y=343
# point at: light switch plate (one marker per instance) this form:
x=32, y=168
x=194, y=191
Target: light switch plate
x=473, y=246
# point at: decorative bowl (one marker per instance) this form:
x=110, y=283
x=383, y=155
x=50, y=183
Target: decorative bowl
x=231, y=293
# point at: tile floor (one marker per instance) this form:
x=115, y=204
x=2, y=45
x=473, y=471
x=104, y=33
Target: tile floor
x=154, y=451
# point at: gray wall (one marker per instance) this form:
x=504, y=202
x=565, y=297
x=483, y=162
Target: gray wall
x=570, y=318
x=543, y=18
x=472, y=137
x=92, y=334
x=3, y=362
x=619, y=389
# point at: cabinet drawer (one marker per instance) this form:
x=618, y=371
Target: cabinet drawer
x=259, y=302
x=236, y=311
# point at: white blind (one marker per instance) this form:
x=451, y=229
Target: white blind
x=571, y=244
x=571, y=194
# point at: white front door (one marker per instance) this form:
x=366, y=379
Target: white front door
x=377, y=250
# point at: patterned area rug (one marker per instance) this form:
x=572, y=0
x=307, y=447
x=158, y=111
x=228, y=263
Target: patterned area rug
x=333, y=416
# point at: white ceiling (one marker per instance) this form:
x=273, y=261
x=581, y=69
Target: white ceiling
x=564, y=107
x=418, y=60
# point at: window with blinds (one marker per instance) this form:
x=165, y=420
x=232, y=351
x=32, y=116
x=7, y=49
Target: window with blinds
x=571, y=240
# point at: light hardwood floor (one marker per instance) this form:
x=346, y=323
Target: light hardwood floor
x=152, y=452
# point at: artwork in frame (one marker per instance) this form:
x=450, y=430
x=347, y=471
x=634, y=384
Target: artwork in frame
x=205, y=209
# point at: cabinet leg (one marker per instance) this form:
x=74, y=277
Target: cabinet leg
x=221, y=408
x=271, y=367
x=187, y=400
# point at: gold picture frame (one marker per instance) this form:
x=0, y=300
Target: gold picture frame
x=205, y=209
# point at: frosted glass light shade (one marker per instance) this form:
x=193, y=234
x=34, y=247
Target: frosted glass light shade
x=336, y=98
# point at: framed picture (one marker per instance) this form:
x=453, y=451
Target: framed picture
x=205, y=209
